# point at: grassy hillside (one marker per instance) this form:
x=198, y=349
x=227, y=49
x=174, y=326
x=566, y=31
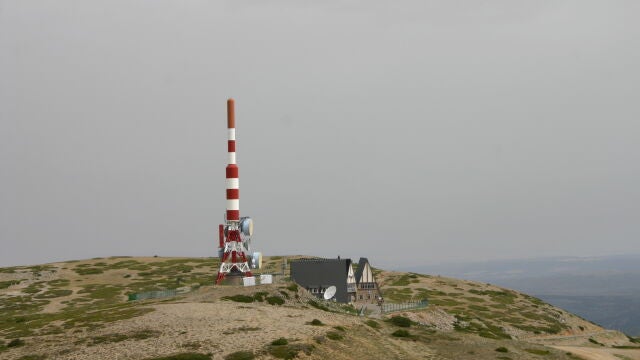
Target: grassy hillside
x=79, y=309
x=484, y=309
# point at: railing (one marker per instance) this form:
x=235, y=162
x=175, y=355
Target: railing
x=391, y=307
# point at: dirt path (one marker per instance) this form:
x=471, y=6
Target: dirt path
x=601, y=354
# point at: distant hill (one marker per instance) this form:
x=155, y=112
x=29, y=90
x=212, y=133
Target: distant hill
x=605, y=290
x=80, y=310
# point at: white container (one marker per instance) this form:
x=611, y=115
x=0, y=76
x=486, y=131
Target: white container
x=249, y=281
x=266, y=279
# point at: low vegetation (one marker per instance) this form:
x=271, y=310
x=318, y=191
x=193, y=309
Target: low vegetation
x=275, y=300
x=240, y=298
x=280, y=341
x=538, y=351
x=401, y=333
x=481, y=309
x=83, y=306
x=372, y=323
x=33, y=357
x=16, y=343
x=317, y=305
x=334, y=335
x=183, y=356
x=240, y=355
x=596, y=342
x=116, y=337
x=289, y=351
x=400, y=321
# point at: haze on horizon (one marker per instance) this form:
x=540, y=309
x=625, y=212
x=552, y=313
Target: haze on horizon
x=435, y=131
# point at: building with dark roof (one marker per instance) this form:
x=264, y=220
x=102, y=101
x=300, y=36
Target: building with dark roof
x=367, y=289
x=316, y=275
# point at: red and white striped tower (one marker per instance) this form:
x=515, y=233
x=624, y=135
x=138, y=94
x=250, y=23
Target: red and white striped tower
x=234, y=258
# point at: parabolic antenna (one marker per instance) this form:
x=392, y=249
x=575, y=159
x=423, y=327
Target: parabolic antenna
x=330, y=292
x=246, y=226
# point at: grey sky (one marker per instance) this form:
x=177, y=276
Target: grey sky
x=409, y=132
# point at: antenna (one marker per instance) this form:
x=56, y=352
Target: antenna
x=330, y=292
x=235, y=233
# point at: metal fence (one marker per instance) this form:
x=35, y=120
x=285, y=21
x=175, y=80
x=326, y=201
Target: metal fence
x=391, y=307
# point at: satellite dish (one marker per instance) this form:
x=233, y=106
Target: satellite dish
x=330, y=292
x=246, y=226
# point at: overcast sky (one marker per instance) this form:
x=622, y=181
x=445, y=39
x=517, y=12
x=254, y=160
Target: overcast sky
x=409, y=132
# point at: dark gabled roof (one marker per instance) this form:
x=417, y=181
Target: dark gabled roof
x=320, y=260
x=360, y=268
x=316, y=272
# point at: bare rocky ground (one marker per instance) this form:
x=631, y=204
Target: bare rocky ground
x=78, y=310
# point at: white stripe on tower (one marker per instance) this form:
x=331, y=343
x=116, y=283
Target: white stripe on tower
x=233, y=189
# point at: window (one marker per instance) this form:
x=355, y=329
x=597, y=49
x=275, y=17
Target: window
x=367, y=285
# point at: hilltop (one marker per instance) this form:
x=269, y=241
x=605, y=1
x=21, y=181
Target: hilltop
x=80, y=310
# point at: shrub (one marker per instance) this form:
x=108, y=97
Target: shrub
x=184, y=356
x=281, y=341
x=16, y=343
x=32, y=357
x=374, y=324
x=275, y=300
x=6, y=284
x=502, y=349
x=293, y=287
x=289, y=351
x=594, y=341
x=538, y=351
x=349, y=308
x=239, y=298
x=259, y=296
x=340, y=328
x=108, y=338
x=240, y=355
x=144, y=334
x=400, y=321
x=401, y=333
x=114, y=338
x=317, y=305
x=88, y=271
x=316, y=322
x=334, y=335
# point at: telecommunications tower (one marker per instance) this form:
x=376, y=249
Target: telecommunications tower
x=235, y=233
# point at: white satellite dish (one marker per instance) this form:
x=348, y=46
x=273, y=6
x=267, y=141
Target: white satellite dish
x=330, y=292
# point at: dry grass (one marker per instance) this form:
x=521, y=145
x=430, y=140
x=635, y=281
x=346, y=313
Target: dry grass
x=79, y=310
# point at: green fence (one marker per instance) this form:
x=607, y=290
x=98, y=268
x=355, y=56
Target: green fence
x=391, y=307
